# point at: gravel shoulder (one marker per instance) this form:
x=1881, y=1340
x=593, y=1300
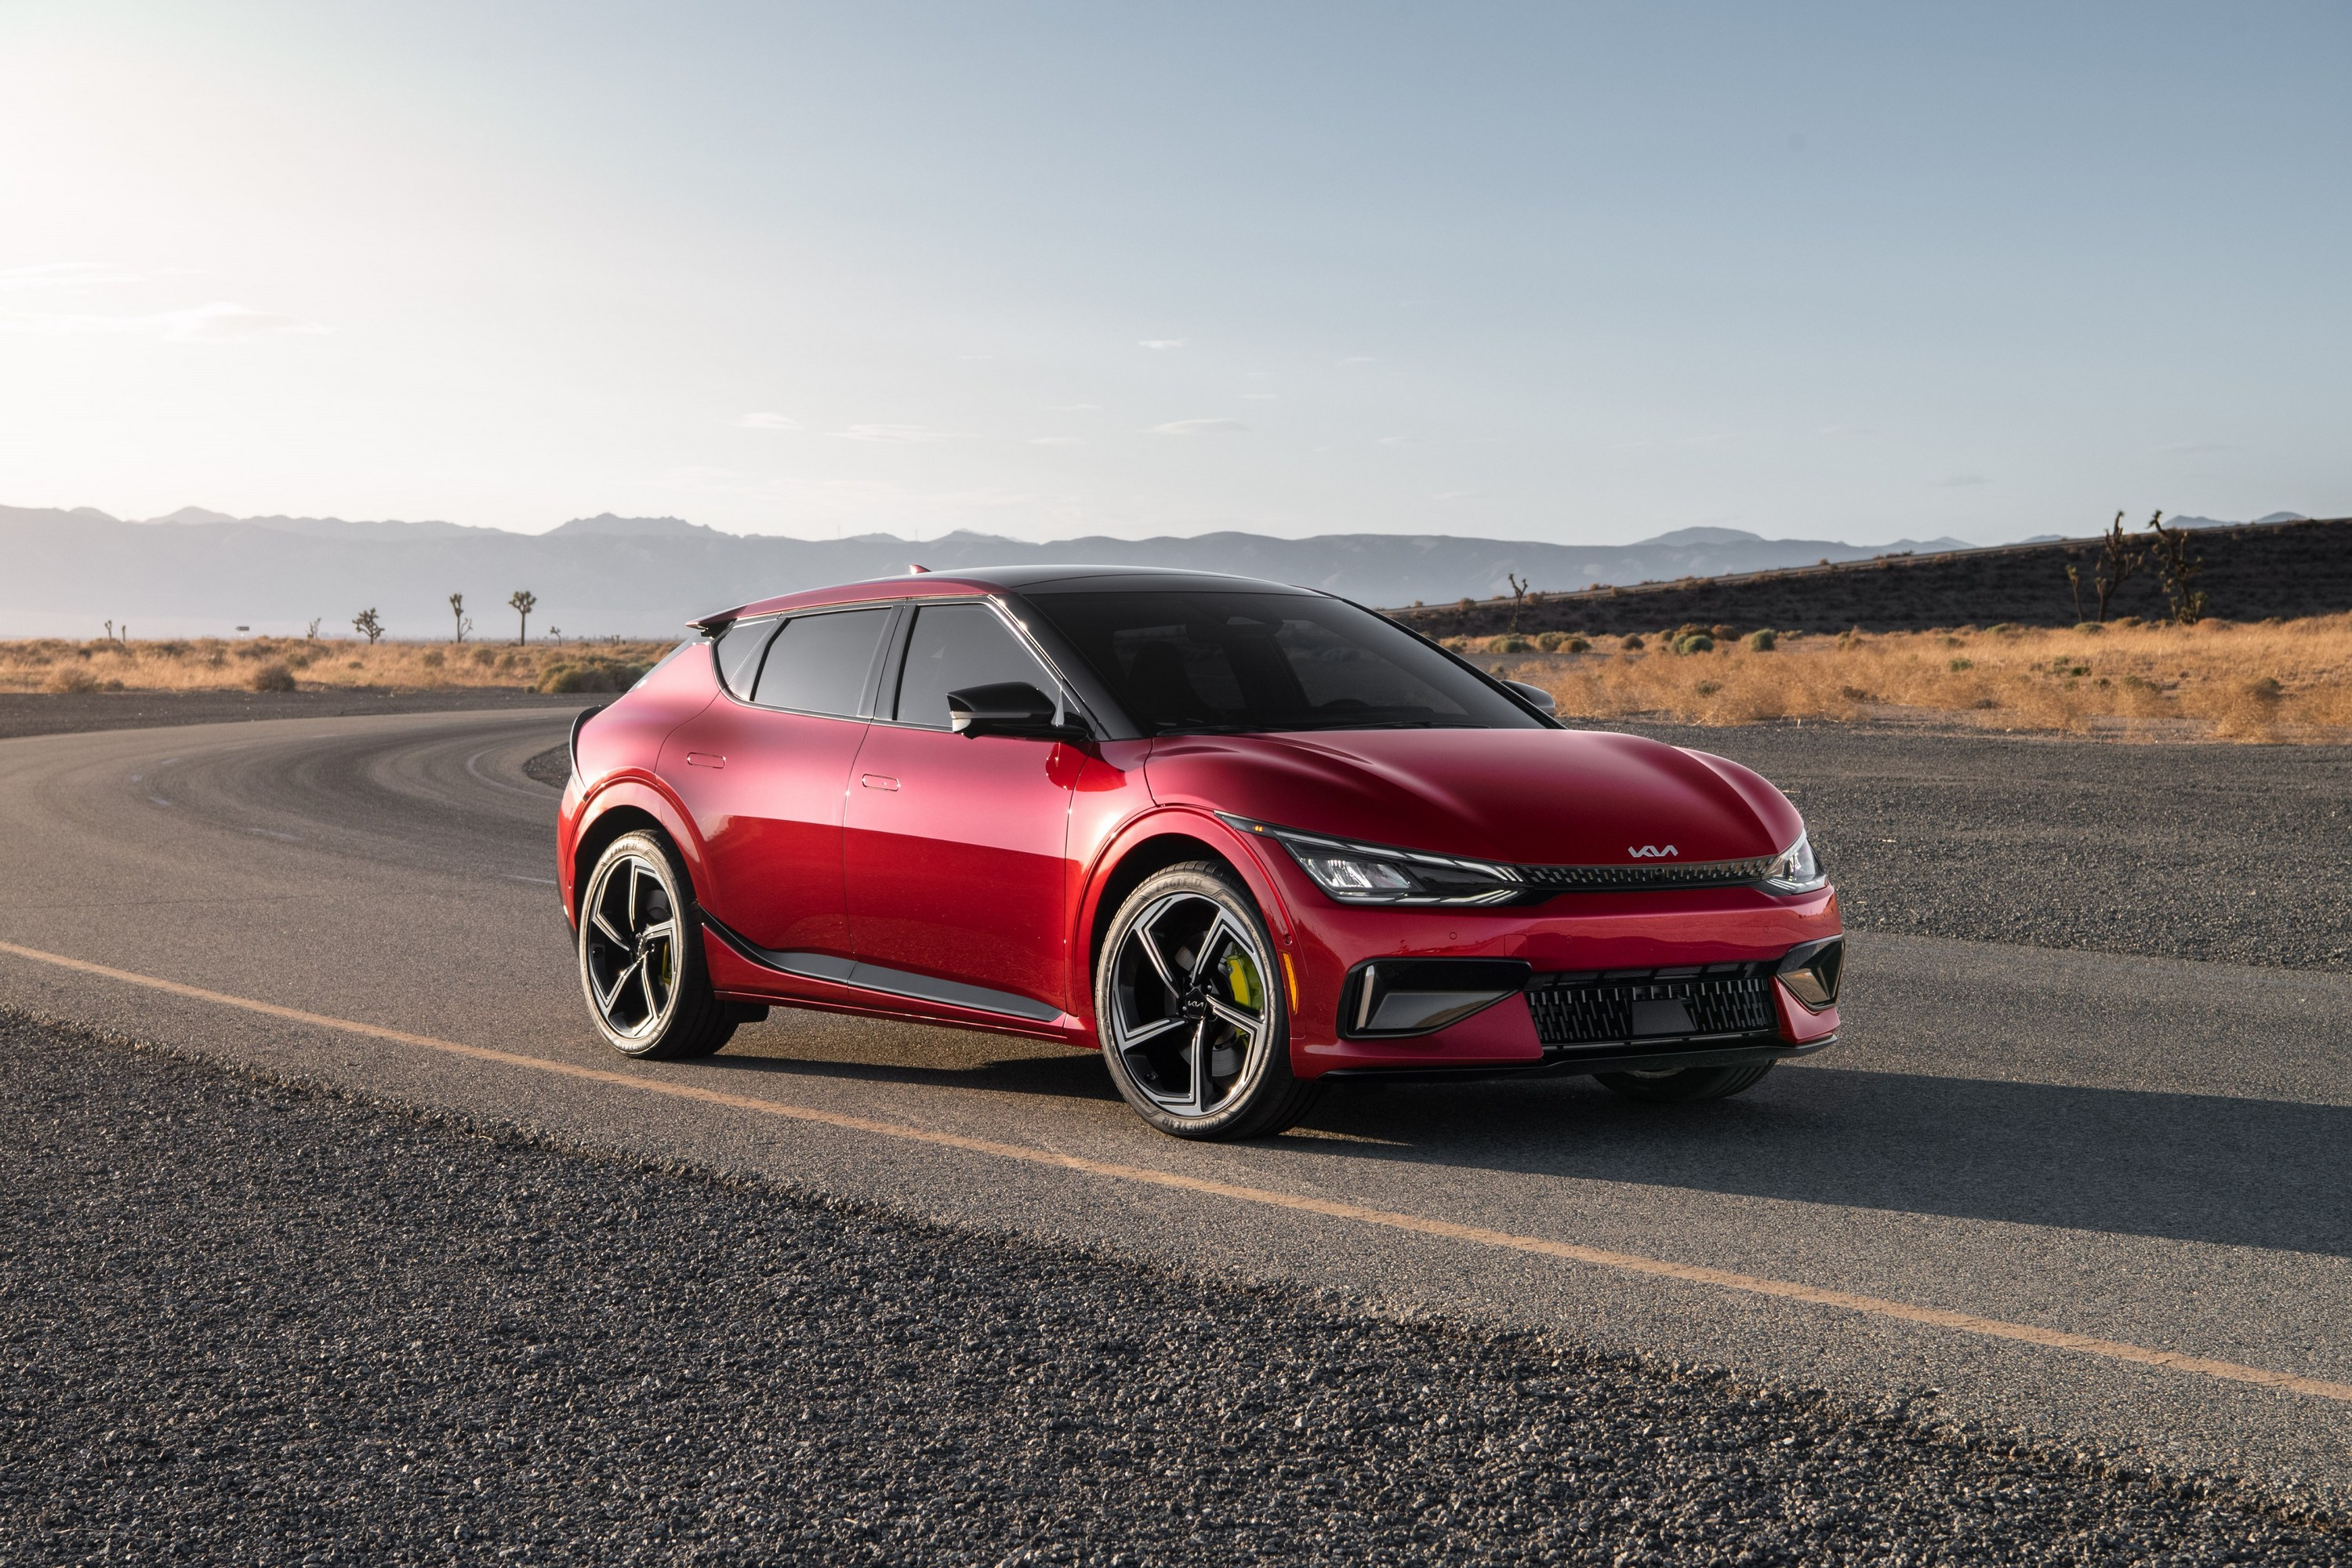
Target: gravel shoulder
x=250, y=1322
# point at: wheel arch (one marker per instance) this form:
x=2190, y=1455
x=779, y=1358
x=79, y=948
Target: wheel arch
x=1150, y=846
x=625, y=808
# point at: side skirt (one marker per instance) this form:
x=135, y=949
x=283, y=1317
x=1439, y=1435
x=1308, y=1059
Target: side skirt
x=874, y=977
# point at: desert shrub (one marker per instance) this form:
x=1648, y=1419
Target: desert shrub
x=1576, y=644
x=433, y=658
x=271, y=677
x=1550, y=641
x=485, y=657
x=2089, y=628
x=1695, y=642
x=1632, y=642
x=1510, y=642
x=299, y=659
x=1763, y=641
x=1724, y=634
x=1960, y=664
x=2266, y=690
x=1708, y=688
x=73, y=678
x=353, y=665
x=589, y=674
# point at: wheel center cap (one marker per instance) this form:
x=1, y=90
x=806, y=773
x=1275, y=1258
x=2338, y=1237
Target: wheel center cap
x=1195, y=1004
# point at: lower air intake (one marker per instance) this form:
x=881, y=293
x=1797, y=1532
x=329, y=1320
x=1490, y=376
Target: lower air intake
x=1652, y=1004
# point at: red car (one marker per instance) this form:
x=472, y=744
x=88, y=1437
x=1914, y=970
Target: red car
x=1241, y=837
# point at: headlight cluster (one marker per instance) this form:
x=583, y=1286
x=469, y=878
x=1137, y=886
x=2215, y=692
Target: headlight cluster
x=1796, y=870
x=1368, y=874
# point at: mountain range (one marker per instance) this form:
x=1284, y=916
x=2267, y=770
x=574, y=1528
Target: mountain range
x=196, y=571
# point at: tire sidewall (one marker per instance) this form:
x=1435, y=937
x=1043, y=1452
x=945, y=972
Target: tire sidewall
x=1274, y=1076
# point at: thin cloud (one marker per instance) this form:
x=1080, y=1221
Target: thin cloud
x=1074, y=408
x=770, y=422
x=901, y=435
x=1359, y=359
x=1199, y=428
x=1958, y=482
x=220, y=322
x=1161, y=342
x=1259, y=396
x=1055, y=441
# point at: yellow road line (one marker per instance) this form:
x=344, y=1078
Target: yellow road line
x=1387, y=1219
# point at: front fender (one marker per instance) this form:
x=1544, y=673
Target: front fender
x=1164, y=822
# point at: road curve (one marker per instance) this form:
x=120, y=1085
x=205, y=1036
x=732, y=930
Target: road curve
x=2066, y=1150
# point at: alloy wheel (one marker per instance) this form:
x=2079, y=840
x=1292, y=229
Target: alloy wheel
x=629, y=947
x=1190, y=1014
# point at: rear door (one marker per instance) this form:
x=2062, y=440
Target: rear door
x=762, y=771
x=955, y=846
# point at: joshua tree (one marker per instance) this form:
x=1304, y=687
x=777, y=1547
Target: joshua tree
x=521, y=603
x=2074, y=580
x=2175, y=566
x=457, y=613
x=1519, y=597
x=554, y=632
x=312, y=635
x=2118, y=559
x=369, y=625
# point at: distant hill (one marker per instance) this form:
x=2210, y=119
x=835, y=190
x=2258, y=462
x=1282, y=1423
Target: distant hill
x=198, y=570
x=2251, y=571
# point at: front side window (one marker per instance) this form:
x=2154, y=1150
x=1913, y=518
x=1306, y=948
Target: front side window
x=954, y=647
x=1194, y=662
x=819, y=664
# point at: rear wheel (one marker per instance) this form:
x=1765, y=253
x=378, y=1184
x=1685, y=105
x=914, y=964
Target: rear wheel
x=1189, y=1001
x=1673, y=1085
x=641, y=961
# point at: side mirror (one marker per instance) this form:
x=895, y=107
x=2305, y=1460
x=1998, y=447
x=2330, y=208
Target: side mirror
x=1008, y=708
x=1535, y=696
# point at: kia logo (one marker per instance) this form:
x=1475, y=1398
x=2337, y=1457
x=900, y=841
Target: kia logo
x=1651, y=852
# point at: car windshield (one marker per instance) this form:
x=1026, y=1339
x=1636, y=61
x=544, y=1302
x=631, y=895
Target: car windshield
x=1185, y=661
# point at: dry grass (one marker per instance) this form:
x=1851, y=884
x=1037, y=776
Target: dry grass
x=289, y=664
x=2275, y=681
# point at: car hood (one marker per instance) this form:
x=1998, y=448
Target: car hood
x=1549, y=797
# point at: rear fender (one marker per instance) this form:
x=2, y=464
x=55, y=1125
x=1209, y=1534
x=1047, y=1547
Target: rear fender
x=639, y=792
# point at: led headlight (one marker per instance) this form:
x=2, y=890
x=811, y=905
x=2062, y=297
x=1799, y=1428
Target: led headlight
x=1374, y=874
x=1795, y=870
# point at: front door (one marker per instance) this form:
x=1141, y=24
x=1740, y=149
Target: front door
x=955, y=845
x=763, y=770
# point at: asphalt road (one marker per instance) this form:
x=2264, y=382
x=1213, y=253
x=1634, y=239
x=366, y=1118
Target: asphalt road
x=2144, y=1150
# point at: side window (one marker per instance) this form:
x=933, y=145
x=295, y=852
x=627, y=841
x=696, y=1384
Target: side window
x=954, y=647
x=819, y=664
x=739, y=654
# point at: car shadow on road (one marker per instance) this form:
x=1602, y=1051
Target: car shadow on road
x=2202, y=1168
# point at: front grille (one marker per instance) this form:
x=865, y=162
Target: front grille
x=1600, y=1009
x=1609, y=879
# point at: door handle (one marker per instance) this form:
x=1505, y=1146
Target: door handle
x=877, y=781
x=705, y=760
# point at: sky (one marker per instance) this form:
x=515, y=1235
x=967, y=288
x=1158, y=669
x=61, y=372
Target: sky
x=1582, y=274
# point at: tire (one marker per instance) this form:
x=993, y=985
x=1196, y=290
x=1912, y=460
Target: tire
x=1188, y=1002
x=1680, y=1086
x=640, y=953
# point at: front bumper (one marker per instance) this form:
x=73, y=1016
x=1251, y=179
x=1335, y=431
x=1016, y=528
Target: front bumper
x=1613, y=980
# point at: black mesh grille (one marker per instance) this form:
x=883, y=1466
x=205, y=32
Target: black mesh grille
x=1705, y=874
x=1595, y=1010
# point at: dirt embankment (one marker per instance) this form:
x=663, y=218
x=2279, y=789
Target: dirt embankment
x=2250, y=573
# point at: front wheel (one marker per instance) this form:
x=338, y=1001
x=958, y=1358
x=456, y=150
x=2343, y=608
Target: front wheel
x=641, y=961
x=1188, y=1002
x=1678, y=1086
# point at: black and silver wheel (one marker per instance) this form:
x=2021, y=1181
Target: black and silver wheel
x=641, y=954
x=1675, y=1085
x=1188, y=1002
